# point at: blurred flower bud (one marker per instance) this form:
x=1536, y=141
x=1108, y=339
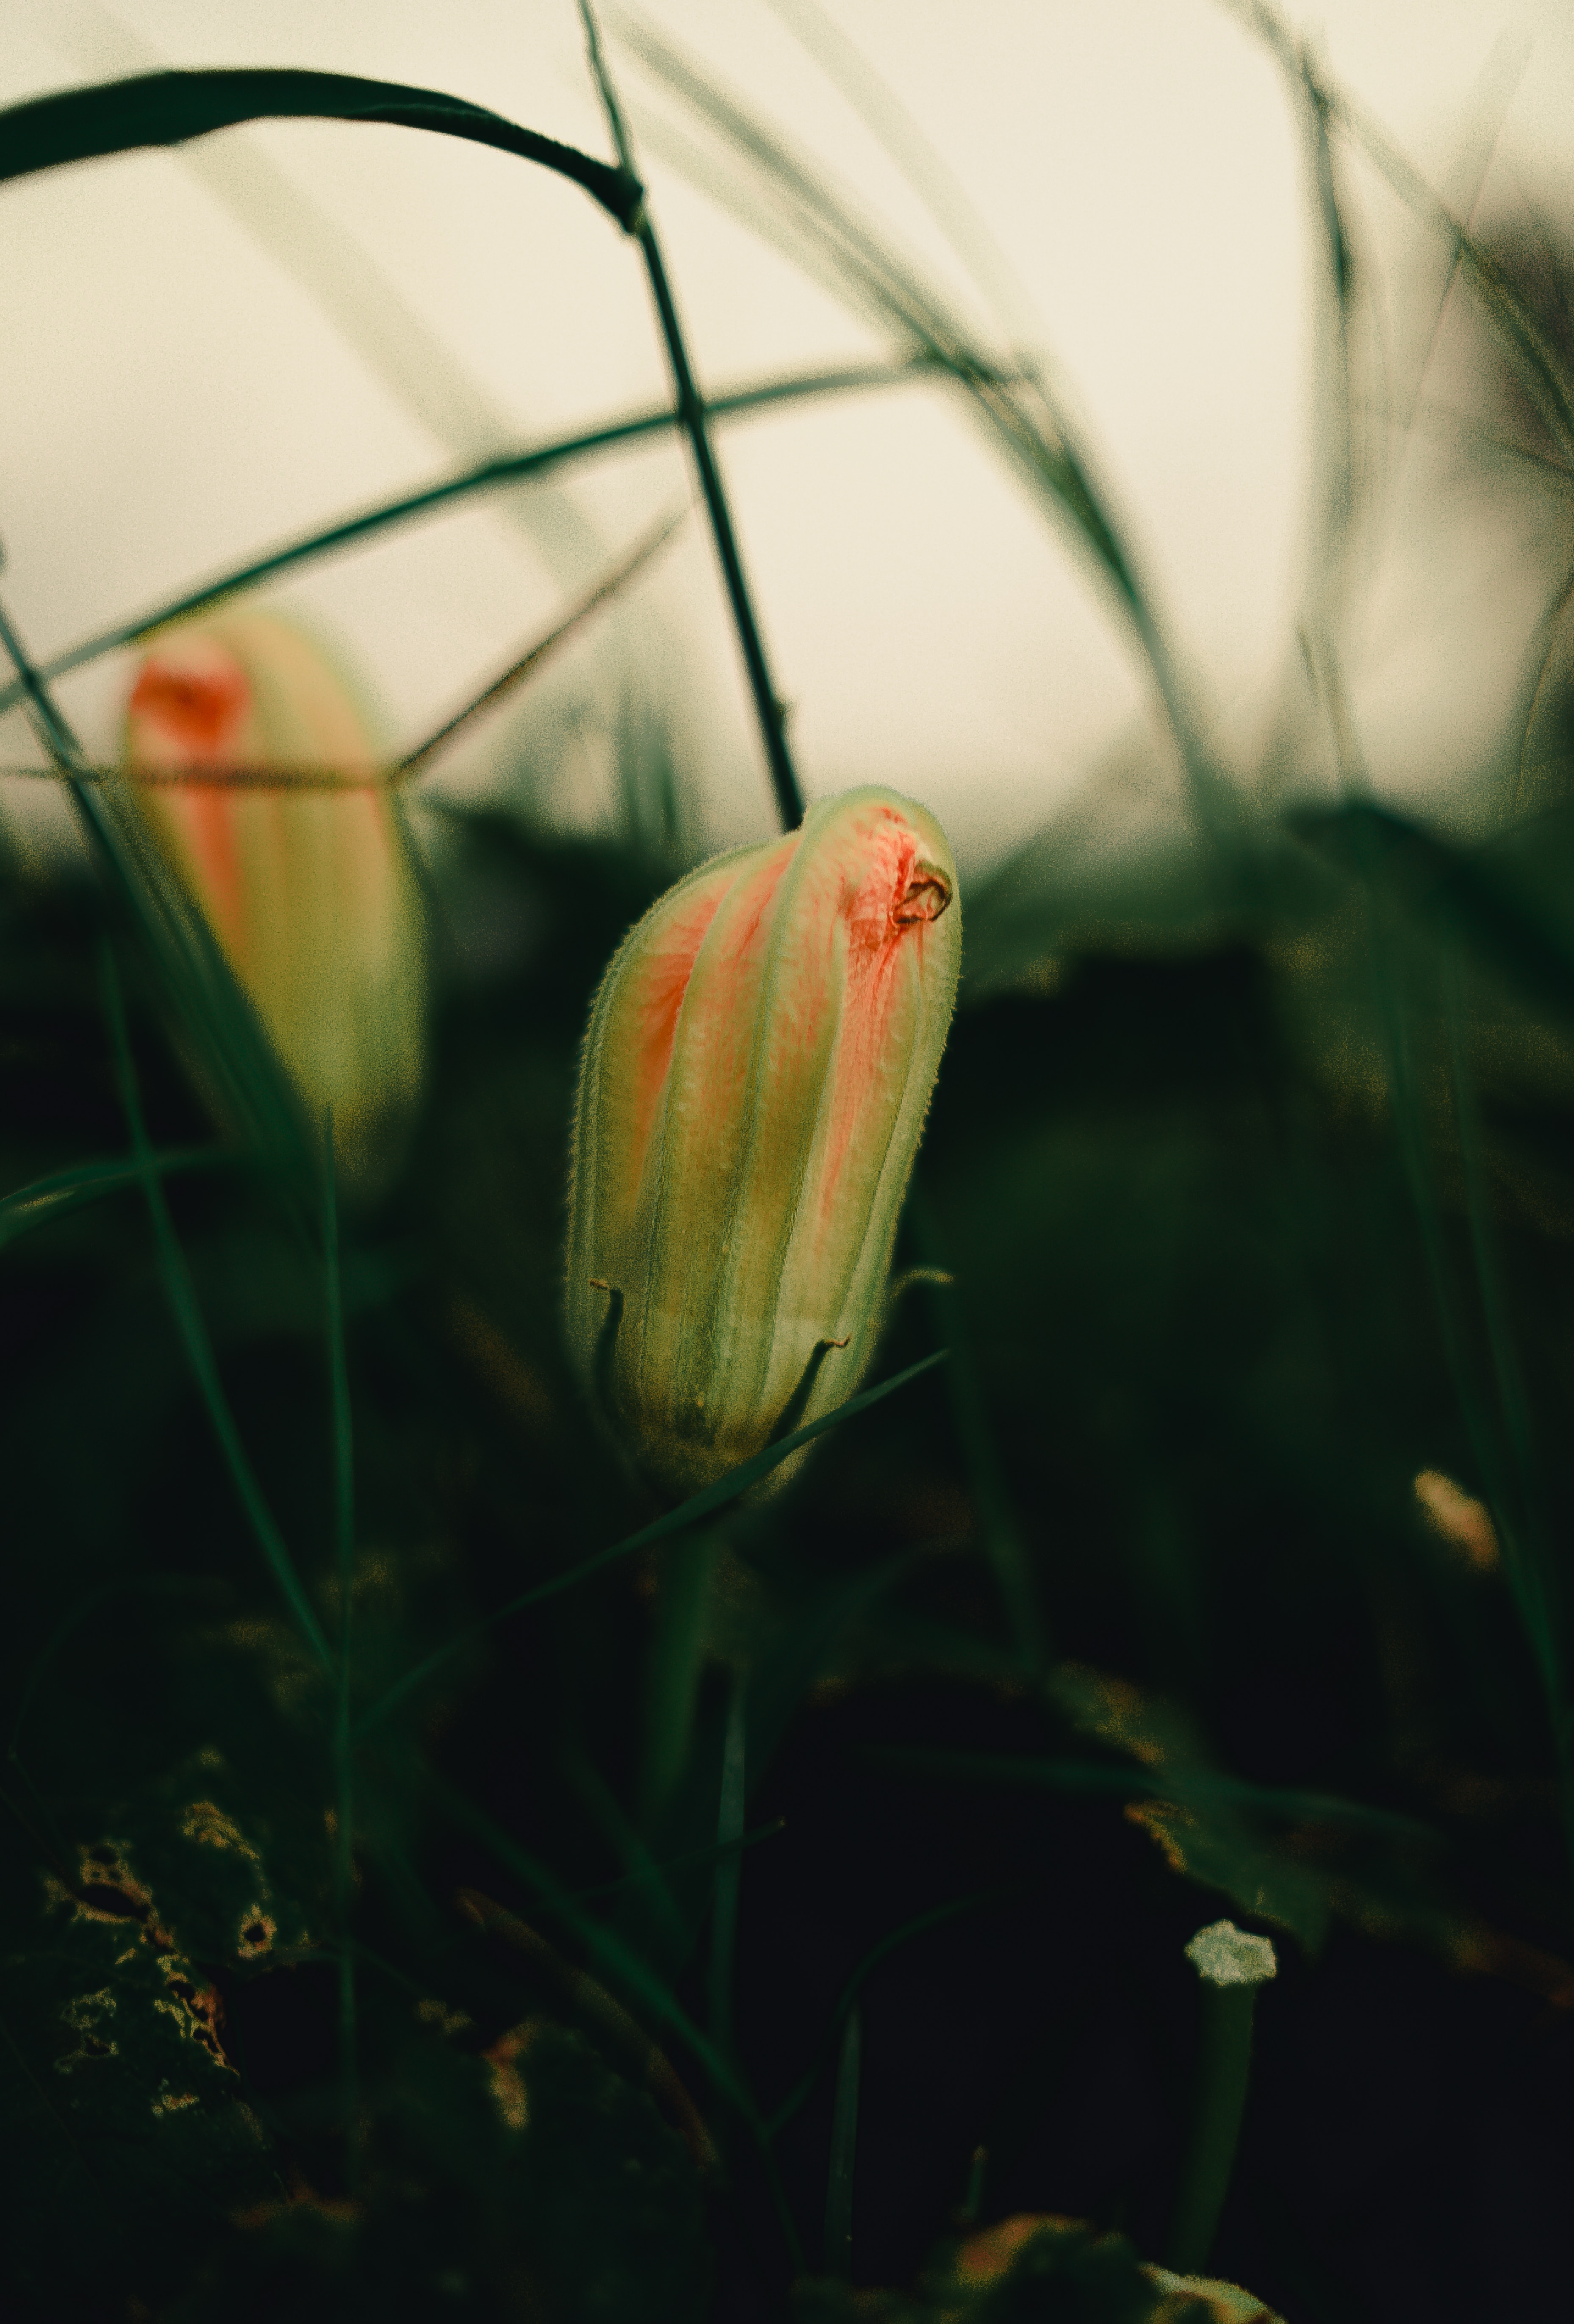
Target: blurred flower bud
x=759, y=1063
x=1097, y=2272
x=307, y=885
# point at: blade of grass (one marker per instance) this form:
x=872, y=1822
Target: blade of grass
x=920, y=161
x=1510, y=1512
x=687, y=1513
x=500, y=688
x=490, y=475
x=1535, y=360
x=1006, y=1551
x=730, y=1842
x=691, y=1860
x=62, y=1191
x=646, y=1878
x=838, y=2257
x=818, y=230
x=180, y=1293
x=803, y=2091
x=344, y=1562
x=624, y=1966
x=768, y=706
x=340, y=274
x=673, y=1664
x=625, y=2038
x=166, y=108
x=1534, y=1566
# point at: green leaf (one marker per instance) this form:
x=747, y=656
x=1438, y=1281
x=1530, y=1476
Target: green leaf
x=166, y=108
x=1210, y=1841
x=33, y=1206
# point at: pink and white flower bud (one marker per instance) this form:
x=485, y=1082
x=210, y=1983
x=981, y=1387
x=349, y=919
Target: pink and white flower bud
x=294, y=853
x=759, y=1061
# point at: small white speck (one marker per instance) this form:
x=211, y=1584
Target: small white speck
x=1223, y=1954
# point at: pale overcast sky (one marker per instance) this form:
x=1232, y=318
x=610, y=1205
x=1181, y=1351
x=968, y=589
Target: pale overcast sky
x=178, y=392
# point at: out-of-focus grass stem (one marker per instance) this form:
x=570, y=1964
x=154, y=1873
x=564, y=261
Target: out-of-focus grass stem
x=628, y=1970
x=65, y=751
x=768, y=707
x=1529, y=1560
x=729, y=1867
x=843, y=2151
x=344, y=1565
x=991, y=1494
x=672, y=1672
x=1506, y=1474
x=1223, y=2077
x=700, y=1505
x=180, y=1293
x=1231, y=1965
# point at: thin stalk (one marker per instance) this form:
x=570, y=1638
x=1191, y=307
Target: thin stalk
x=51, y=1198
x=1218, y=2103
x=180, y=1293
x=972, y=2201
x=1036, y=435
x=730, y=1842
x=683, y=1592
x=1408, y=1107
x=628, y=1970
x=691, y=1859
x=644, y=1874
x=768, y=708
x=934, y=1918
x=699, y=1505
x=345, y=1562
x=991, y=1494
x=60, y=739
x=843, y=2152
x=1532, y=1568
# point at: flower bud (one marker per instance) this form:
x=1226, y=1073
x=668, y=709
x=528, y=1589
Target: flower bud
x=1044, y=2254
x=759, y=1063
x=307, y=883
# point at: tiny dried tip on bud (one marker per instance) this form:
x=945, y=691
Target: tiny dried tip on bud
x=1222, y=1954
x=927, y=895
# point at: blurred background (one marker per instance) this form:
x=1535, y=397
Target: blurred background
x=1247, y=1179
x=207, y=351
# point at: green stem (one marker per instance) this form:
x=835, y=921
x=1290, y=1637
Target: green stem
x=768, y=708
x=703, y=1504
x=344, y=1547
x=729, y=1867
x=181, y=1295
x=1218, y=2103
x=683, y=1591
x=843, y=2152
x=991, y=1494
